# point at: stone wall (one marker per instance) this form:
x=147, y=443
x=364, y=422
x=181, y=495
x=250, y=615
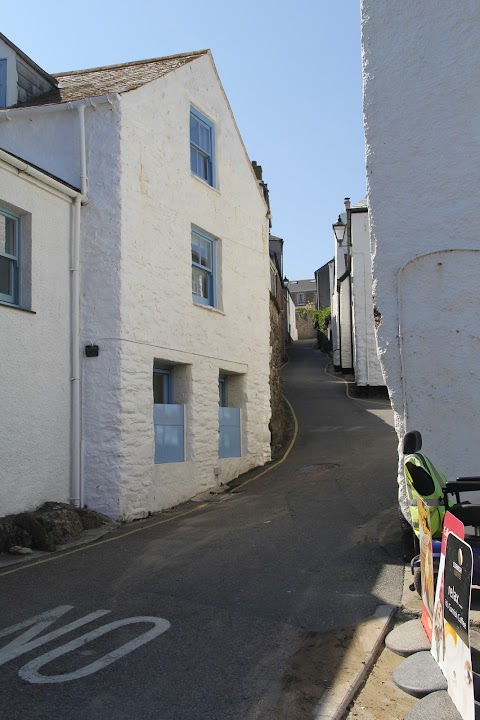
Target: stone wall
x=278, y=421
x=305, y=327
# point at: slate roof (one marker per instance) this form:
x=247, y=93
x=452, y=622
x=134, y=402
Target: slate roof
x=362, y=205
x=79, y=84
x=302, y=286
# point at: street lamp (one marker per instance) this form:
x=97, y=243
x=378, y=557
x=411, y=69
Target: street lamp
x=339, y=229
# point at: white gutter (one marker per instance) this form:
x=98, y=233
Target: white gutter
x=80, y=199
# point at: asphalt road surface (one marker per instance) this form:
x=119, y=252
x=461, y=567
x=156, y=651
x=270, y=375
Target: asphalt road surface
x=235, y=610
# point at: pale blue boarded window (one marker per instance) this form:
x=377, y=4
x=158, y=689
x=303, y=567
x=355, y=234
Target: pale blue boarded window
x=9, y=257
x=203, y=267
x=169, y=433
x=168, y=418
x=202, y=147
x=229, y=437
x=3, y=83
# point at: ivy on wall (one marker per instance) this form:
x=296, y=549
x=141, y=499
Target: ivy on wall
x=320, y=318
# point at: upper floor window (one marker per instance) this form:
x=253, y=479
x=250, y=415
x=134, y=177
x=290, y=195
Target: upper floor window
x=203, y=268
x=202, y=147
x=9, y=256
x=3, y=83
x=301, y=298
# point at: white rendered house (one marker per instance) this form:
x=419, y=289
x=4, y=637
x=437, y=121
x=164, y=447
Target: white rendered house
x=174, y=282
x=36, y=235
x=368, y=372
x=341, y=308
x=420, y=63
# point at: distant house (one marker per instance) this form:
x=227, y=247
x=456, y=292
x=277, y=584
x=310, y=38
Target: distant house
x=323, y=287
x=170, y=392
x=303, y=292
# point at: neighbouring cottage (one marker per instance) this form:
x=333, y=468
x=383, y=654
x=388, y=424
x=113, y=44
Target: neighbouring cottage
x=420, y=65
x=172, y=391
x=35, y=237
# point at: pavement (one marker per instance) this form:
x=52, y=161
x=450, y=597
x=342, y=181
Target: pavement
x=266, y=603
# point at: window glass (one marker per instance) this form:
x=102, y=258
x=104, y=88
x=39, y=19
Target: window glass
x=8, y=257
x=203, y=268
x=201, y=146
x=162, y=385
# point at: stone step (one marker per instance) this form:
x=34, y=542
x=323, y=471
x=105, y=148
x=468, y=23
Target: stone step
x=408, y=638
x=419, y=675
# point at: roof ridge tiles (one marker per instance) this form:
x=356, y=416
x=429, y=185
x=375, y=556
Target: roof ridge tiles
x=193, y=53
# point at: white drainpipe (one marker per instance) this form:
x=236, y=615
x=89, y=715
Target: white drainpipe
x=76, y=498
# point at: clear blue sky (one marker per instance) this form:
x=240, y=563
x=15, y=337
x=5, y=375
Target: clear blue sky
x=291, y=70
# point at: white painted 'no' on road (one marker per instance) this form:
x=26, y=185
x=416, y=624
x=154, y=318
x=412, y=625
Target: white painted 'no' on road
x=29, y=640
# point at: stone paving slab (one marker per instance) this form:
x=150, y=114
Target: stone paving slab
x=419, y=675
x=437, y=706
x=408, y=638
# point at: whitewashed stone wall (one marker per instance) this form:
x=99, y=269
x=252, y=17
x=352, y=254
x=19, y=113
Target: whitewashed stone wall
x=35, y=350
x=136, y=299
x=366, y=363
x=421, y=62
x=161, y=200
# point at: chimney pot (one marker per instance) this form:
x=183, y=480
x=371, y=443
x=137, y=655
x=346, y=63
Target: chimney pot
x=347, y=203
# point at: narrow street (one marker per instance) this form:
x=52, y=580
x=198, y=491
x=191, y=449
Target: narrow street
x=255, y=585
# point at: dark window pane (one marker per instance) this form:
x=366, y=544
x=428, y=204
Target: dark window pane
x=194, y=130
x=6, y=276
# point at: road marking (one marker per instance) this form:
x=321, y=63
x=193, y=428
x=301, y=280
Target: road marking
x=30, y=672
x=25, y=642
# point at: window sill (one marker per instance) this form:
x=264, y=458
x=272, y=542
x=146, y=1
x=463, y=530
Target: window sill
x=205, y=183
x=17, y=307
x=208, y=307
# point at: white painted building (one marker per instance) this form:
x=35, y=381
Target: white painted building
x=421, y=62
x=341, y=308
x=174, y=290
x=353, y=327
x=35, y=238
x=368, y=372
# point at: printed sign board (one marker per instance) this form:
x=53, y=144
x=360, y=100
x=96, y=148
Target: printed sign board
x=450, y=524
x=456, y=607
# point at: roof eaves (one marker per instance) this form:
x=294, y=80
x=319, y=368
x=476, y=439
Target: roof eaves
x=49, y=78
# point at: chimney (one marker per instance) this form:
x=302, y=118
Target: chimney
x=347, y=203
x=257, y=169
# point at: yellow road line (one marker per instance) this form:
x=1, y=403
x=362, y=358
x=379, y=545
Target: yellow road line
x=347, y=383
x=88, y=546
x=285, y=455
x=120, y=536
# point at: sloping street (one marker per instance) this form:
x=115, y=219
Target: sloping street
x=255, y=585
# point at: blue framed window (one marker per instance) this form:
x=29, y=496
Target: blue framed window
x=9, y=257
x=202, y=147
x=3, y=83
x=222, y=391
x=203, y=268
x=168, y=418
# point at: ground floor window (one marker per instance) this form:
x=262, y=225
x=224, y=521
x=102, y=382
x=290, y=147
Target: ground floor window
x=229, y=426
x=168, y=417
